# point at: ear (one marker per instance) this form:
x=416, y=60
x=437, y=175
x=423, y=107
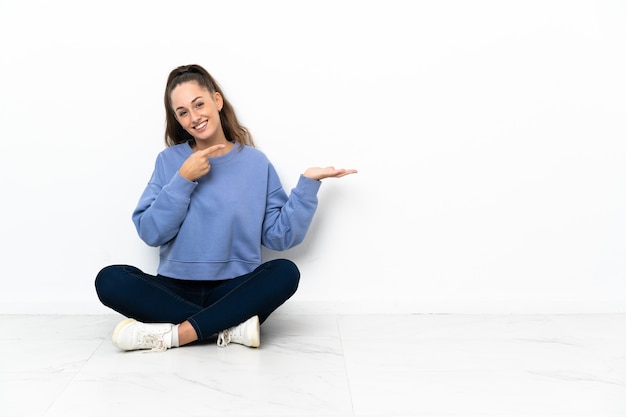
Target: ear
x=219, y=102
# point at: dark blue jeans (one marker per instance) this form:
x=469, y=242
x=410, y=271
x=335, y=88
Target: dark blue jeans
x=210, y=306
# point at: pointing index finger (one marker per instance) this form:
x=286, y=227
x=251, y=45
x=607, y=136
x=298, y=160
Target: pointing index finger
x=211, y=149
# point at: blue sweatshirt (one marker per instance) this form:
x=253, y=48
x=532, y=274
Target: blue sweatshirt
x=213, y=228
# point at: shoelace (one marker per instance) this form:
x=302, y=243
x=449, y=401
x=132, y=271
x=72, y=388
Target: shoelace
x=154, y=340
x=223, y=338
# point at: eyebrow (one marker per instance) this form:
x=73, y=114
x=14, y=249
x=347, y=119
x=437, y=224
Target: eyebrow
x=192, y=101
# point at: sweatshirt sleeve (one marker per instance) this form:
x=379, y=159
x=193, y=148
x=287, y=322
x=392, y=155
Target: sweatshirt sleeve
x=288, y=218
x=162, y=208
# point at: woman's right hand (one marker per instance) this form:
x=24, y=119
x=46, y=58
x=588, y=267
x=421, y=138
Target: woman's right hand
x=198, y=165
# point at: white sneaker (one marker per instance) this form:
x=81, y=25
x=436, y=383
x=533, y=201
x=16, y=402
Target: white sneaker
x=247, y=333
x=131, y=334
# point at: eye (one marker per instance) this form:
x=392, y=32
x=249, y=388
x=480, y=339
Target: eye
x=182, y=113
x=199, y=104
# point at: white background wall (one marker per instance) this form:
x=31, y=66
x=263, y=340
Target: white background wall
x=490, y=138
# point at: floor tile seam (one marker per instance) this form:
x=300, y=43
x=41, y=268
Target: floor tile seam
x=71, y=380
x=345, y=365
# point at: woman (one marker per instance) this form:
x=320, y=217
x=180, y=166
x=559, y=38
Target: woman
x=213, y=200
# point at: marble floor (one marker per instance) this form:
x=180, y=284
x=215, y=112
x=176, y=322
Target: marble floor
x=324, y=365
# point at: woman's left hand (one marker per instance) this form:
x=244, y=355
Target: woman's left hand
x=317, y=173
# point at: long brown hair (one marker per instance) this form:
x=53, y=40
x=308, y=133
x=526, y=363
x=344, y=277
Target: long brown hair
x=174, y=132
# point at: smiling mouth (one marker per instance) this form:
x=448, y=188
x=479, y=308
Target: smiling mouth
x=201, y=125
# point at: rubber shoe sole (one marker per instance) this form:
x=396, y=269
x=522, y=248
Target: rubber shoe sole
x=119, y=328
x=256, y=339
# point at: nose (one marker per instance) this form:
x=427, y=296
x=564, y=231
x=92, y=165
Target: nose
x=195, y=116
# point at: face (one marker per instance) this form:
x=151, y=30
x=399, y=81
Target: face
x=197, y=110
